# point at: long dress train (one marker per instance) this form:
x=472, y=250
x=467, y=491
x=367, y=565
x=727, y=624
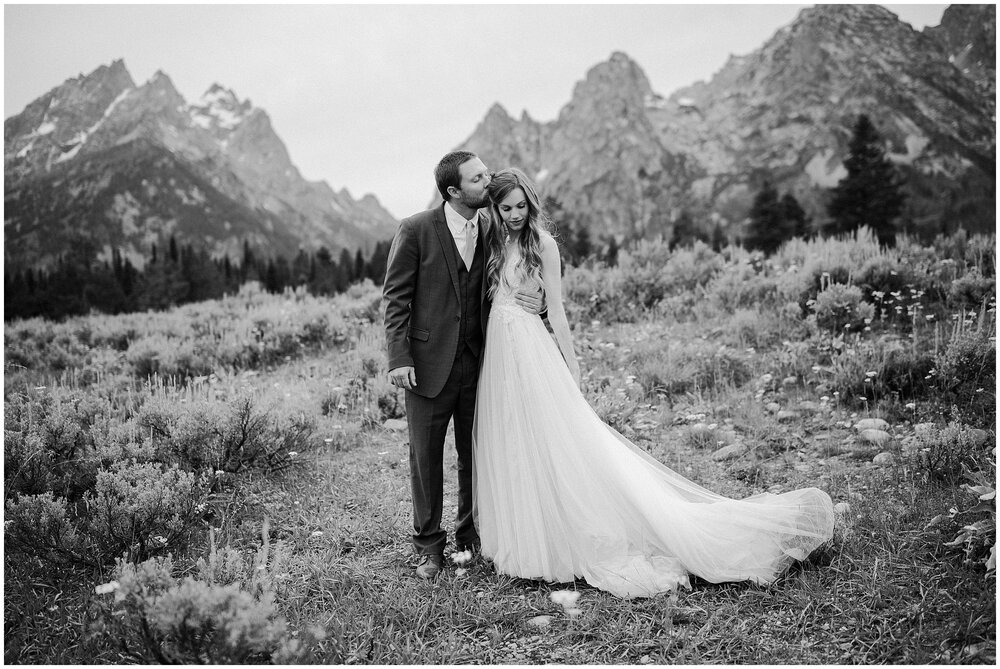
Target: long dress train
x=560, y=494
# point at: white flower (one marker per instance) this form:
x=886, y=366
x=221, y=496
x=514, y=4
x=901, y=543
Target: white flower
x=871, y=374
x=565, y=598
x=911, y=406
x=461, y=558
x=317, y=533
x=292, y=454
x=106, y=588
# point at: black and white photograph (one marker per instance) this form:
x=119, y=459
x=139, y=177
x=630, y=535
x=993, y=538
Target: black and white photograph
x=499, y=334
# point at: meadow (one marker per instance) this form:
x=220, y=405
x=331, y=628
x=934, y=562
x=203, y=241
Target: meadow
x=227, y=481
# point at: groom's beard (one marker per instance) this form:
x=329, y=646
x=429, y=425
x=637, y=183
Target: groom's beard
x=475, y=202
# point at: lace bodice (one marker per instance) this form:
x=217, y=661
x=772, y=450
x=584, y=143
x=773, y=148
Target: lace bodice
x=510, y=283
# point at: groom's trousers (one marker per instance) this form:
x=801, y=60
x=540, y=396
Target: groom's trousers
x=428, y=419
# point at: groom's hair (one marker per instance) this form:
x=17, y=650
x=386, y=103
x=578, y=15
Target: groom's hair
x=446, y=173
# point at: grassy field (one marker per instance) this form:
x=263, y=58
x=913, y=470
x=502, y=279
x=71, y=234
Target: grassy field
x=290, y=540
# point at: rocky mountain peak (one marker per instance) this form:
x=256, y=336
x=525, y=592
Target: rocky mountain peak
x=130, y=166
x=220, y=108
x=969, y=35
x=616, y=84
x=622, y=160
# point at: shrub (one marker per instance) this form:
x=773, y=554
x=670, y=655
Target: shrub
x=47, y=445
x=740, y=286
x=966, y=370
x=39, y=525
x=643, y=279
x=698, y=368
x=594, y=292
x=155, y=618
x=839, y=307
x=972, y=291
x=880, y=369
x=142, y=509
x=209, y=436
x=651, y=273
x=946, y=453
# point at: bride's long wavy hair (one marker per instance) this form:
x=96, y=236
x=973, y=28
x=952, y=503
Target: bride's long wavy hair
x=530, y=241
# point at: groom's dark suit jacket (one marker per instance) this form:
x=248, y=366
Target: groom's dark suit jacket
x=422, y=298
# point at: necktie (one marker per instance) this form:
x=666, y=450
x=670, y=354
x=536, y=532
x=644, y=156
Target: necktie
x=470, y=244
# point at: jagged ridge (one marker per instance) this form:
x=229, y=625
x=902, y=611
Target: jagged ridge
x=212, y=173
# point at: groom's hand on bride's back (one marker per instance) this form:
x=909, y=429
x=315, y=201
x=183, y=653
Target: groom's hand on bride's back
x=532, y=301
x=403, y=377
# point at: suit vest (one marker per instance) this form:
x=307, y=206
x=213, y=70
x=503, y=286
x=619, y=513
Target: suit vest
x=470, y=281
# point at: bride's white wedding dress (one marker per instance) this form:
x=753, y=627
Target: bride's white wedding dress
x=560, y=494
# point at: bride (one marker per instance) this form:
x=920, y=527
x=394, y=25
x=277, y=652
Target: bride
x=559, y=494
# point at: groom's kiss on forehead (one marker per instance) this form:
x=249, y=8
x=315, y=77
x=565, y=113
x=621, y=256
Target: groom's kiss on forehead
x=474, y=177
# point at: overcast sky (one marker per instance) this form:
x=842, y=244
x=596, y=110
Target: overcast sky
x=369, y=97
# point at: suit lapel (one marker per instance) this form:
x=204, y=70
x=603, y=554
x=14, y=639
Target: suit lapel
x=447, y=248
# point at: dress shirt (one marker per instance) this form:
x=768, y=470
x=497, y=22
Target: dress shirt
x=456, y=223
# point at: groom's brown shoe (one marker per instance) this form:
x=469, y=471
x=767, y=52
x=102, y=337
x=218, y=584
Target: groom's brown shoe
x=429, y=566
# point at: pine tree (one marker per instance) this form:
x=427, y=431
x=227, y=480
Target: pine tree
x=871, y=194
x=768, y=226
x=795, y=216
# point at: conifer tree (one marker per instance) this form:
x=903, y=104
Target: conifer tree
x=768, y=226
x=795, y=216
x=871, y=194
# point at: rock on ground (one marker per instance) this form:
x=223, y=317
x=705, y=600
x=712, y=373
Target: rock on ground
x=729, y=452
x=876, y=437
x=871, y=424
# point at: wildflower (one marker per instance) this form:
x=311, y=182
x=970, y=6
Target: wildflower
x=825, y=398
x=863, y=398
x=929, y=317
x=292, y=454
x=462, y=558
x=565, y=598
x=317, y=533
x=328, y=440
x=106, y=588
x=815, y=368
x=911, y=406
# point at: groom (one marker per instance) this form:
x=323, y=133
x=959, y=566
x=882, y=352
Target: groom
x=436, y=308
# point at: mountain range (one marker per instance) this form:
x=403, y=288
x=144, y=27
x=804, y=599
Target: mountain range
x=101, y=162
x=622, y=160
